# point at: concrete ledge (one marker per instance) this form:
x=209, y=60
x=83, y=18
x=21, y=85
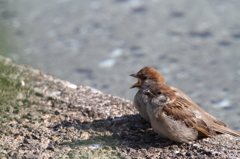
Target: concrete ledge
x=43, y=117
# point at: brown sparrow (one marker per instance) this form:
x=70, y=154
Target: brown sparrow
x=148, y=75
x=177, y=119
x=145, y=77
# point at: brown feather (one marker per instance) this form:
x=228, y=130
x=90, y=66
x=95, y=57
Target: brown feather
x=184, y=96
x=180, y=111
x=152, y=74
x=225, y=130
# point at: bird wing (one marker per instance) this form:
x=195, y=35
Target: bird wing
x=225, y=130
x=183, y=95
x=180, y=109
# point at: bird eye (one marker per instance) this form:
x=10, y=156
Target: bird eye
x=144, y=77
x=159, y=92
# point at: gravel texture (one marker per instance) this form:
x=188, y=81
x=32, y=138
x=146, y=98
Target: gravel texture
x=44, y=117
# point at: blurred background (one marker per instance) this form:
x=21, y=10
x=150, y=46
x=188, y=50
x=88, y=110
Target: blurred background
x=194, y=44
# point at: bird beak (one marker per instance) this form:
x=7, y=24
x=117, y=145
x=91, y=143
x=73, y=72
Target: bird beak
x=148, y=93
x=138, y=82
x=134, y=75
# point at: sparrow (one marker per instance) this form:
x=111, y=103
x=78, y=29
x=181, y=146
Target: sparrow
x=177, y=119
x=148, y=75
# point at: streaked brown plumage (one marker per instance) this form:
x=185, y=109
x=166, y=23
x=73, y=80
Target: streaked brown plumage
x=148, y=75
x=177, y=119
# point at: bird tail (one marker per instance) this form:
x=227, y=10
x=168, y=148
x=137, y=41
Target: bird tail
x=226, y=130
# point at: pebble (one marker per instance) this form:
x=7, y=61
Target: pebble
x=94, y=146
x=73, y=86
x=84, y=136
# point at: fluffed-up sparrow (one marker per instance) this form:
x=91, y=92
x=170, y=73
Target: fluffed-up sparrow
x=148, y=75
x=177, y=119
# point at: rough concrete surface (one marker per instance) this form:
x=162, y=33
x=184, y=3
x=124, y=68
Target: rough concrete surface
x=44, y=117
x=194, y=44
